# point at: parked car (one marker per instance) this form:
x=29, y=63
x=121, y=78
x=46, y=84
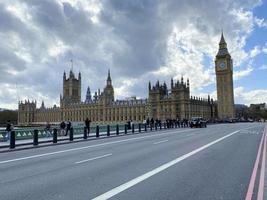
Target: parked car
x=198, y=122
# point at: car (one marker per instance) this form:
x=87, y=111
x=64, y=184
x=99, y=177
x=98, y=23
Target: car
x=198, y=122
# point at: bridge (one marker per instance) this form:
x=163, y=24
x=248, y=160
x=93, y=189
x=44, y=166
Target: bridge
x=223, y=161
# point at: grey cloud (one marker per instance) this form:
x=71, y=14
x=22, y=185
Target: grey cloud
x=130, y=38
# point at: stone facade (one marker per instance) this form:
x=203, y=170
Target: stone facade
x=224, y=79
x=177, y=103
x=102, y=108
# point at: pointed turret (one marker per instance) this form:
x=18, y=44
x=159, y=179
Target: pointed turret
x=187, y=83
x=109, y=78
x=222, y=47
x=64, y=76
x=172, y=83
x=149, y=86
x=88, y=98
x=42, y=106
x=222, y=43
x=71, y=75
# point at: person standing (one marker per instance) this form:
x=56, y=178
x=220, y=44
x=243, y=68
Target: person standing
x=8, y=129
x=87, y=125
x=68, y=127
x=48, y=129
x=62, y=128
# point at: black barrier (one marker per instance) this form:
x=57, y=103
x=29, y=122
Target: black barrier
x=145, y=127
x=164, y=124
x=85, y=133
x=97, y=131
x=117, y=129
x=35, y=137
x=156, y=126
x=55, y=136
x=108, y=130
x=160, y=126
x=139, y=127
x=12, y=143
x=132, y=128
x=125, y=128
x=71, y=134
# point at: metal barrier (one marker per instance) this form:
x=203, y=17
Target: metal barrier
x=107, y=130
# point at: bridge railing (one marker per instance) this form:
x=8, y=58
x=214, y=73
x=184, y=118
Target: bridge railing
x=35, y=136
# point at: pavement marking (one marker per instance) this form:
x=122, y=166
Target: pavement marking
x=262, y=173
x=157, y=170
x=254, y=173
x=160, y=141
x=191, y=134
x=91, y=146
x=95, y=158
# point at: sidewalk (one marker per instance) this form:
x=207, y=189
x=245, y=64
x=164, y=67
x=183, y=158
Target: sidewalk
x=48, y=141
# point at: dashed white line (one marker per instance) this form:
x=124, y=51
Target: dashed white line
x=90, y=146
x=95, y=158
x=159, y=142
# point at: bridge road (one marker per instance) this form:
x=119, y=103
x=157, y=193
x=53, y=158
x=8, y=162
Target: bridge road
x=211, y=163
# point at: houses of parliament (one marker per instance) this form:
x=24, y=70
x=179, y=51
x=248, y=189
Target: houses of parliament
x=162, y=102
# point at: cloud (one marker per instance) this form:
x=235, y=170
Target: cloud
x=139, y=40
x=255, y=51
x=249, y=97
x=242, y=73
x=263, y=67
x=260, y=22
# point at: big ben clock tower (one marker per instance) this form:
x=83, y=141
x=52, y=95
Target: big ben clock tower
x=224, y=80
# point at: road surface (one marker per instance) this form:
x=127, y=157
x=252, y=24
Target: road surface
x=204, y=164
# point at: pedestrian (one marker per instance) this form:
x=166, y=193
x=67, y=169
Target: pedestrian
x=152, y=122
x=68, y=127
x=48, y=129
x=62, y=128
x=8, y=129
x=87, y=125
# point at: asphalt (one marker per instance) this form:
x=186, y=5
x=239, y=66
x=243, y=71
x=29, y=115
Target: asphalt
x=220, y=170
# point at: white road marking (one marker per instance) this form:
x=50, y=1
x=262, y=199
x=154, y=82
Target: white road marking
x=95, y=158
x=90, y=146
x=157, y=170
x=190, y=134
x=161, y=141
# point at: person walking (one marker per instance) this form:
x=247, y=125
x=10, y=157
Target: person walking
x=68, y=127
x=62, y=128
x=48, y=129
x=87, y=125
x=8, y=129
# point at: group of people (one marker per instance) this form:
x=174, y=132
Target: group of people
x=65, y=127
x=170, y=123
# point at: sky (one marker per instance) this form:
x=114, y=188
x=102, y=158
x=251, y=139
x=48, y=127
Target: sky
x=138, y=40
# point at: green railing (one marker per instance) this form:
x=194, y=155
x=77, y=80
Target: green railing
x=27, y=133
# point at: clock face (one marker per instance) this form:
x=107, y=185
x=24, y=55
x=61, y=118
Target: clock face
x=222, y=65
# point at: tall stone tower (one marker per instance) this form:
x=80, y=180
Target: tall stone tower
x=108, y=94
x=71, y=89
x=224, y=79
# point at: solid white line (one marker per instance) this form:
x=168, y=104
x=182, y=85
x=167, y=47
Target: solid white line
x=91, y=146
x=159, y=169
x=95, y=158
x=161, y=141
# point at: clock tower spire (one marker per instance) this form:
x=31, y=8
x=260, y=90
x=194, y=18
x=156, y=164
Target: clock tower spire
x=224, y=81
